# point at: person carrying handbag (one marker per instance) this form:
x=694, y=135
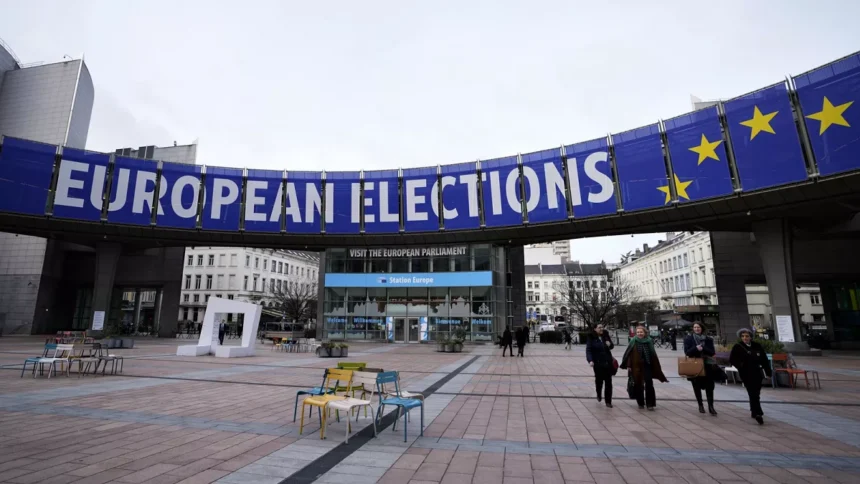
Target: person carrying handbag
x=643, y=366
x=597, y=352
x=700, y=345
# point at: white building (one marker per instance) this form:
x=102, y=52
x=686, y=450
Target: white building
x=678, y=273
x=245, y=274
x=548, y=284
x=557, y=252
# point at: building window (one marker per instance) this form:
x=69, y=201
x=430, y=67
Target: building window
x=191, y=260
x=303, y=272
x=232, y=260
x=200, y=260
x=185, y=314
x=687, y=279
x=529, y=285
x=263, y=286
x=247, y=261
x=220, y=281
x=265, y=263
x=187, y=282
x=231, y=281
x=222, y=259
x=230, y=297
x=206, y=299
x=815, y=297
x=185, y=298
x=256, y=262
x=701, y=254
x=211, y=260
x=197, y=280
x=693, y=256
x=255, y=283
x=195, y=313
x=280, y=267
x=209, y=281
x=197, y=298
x=686, y=262
x=274, y=267
x=245, y=285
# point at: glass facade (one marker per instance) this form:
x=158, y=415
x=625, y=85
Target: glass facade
x=412, y=295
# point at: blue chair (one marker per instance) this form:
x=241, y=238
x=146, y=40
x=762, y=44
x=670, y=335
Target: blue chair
x=314, y=392
x=404, y=405
x=36, y=359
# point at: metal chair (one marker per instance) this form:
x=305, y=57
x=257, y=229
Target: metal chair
x=404, y=405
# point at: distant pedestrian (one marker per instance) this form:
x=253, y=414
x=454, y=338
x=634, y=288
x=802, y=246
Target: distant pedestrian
x=597, y=352
x=507, y=341
x=521, y=341
x=239, y=326
x=222, y=331
x=673, y=338
x=568, y=339
x=643, y=366
x=750, y=359
x=700, y=345
x=526, y=333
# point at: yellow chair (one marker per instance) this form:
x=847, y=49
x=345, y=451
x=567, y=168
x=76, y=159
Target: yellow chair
x=333, y=379
x=355, y=366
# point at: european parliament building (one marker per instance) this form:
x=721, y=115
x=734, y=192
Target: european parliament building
x=417, y=294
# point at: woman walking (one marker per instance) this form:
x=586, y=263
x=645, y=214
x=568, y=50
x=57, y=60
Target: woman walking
x=521, y=341
x=700, y=345
x=568, y=339
x=643, y=365
x=597, y=352
x=750, y=359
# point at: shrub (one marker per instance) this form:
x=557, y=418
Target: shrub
x=550, y=337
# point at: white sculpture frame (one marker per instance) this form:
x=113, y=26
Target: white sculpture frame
x=209, y=344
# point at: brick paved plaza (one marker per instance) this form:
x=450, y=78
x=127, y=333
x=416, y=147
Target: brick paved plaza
x=489, y=419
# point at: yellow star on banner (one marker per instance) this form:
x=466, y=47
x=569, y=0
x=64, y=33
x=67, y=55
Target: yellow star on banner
x=759, y=122
x=706, y=149
x=831, y=114
x=680, y=187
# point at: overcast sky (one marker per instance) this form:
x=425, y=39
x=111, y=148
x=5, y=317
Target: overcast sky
x=372, y=84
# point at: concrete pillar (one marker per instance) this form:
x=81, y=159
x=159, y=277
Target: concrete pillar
x=137, y=303
x=156, y=318
x=167, y=308
x=107, y=256
x=734, y=311
x=321, y=296
x=773, y=238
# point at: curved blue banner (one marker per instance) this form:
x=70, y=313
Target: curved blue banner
x=25, y=176
x=589, y=173
x=641, y=170
x=264, y=196
x=178, y=195
x=221, y=199
x=132, y=191
x=303, y=206
x=500, y=183
x=420, y=200
x=345, y=190
x=460, y=207
x=381, y=202
x=543, y=176
x=81, y=183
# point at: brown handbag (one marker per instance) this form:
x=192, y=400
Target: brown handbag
x=691, y=367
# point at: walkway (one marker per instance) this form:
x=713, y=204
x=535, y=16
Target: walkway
x=489, y=419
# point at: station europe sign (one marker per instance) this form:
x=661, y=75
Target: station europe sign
x=751, y=142
x=417, y=279
x=407, y=252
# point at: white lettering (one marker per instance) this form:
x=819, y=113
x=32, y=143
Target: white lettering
x=368, y=202
x=412, y=200
x=98, y=187
x=252, y=200
x=434, y=198
x=143, y=195
x=573, y=181
x=495, y=193
x=162, y=190
x=384, y=214
x=511, y=190
x=534, y=187
x=292, y=206
x=313, y=201
x=222, y=198
x=471, y=181
x=176, y=196
x=591, y=171
x=66, y=183
x=448, y=214
x=554, y=184
x=275, y=216
x=121, y=190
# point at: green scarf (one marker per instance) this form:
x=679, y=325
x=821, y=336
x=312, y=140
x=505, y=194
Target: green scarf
x=644, y=341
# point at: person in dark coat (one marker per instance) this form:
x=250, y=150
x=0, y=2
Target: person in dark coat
x=521, y=341
x=673, y=338
x=507, y=341
x=222, y=330
x=597, y=352
x=643, y=366
x=568, y=338
x=700, y=345
x=526, y=333
x=749, y=358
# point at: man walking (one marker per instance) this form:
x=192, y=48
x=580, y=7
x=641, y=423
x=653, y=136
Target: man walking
x=222, y=330
x=507, y=341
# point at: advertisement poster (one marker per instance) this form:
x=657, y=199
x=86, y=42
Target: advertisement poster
x=98, y=320
x=784, y=329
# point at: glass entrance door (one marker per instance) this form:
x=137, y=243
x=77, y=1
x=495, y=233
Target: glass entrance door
x=414, y=330
x=401, y=330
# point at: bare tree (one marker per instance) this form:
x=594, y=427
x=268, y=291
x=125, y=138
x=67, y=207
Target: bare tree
x=594, y=297
x=296, y=301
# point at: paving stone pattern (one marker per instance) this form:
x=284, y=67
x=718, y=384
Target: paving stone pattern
x=171, y=419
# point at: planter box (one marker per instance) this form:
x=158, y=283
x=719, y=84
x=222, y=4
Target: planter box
x=332, y=352
x=127, y=343
x=440, y=348
x=344, y=352
x=449, y=348
x=457, y=347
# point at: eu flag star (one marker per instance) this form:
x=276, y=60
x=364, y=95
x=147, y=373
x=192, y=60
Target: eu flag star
x=680, y=187
x=759, y=122
x=831, y=114
x=706, y=149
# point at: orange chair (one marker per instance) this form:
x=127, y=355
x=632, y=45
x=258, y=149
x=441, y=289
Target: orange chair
x=790, y=369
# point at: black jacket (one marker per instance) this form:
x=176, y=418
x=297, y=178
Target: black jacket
x=691, y=351
x=521, y=337
x=597, y=351
x=750, y=361
x=507, y=338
